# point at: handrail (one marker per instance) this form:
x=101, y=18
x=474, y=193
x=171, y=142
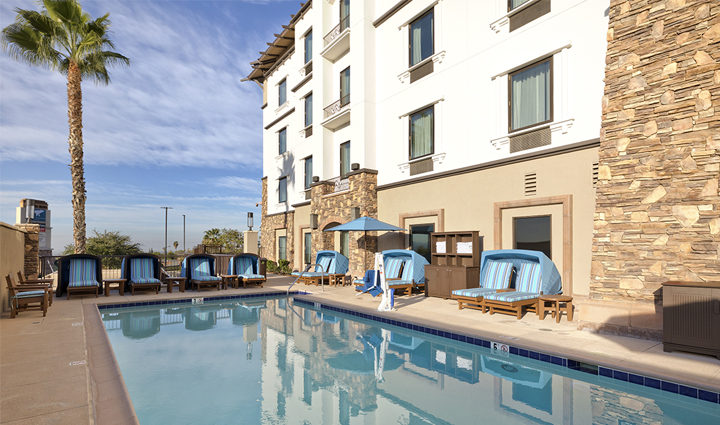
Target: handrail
x=335, y=32
x=337, y=106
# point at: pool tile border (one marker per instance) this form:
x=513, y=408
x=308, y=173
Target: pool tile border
x=601, y=371
x=208, y=299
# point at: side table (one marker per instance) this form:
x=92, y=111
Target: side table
x=558, y=304
x=120, y=282
x=230, y=279
x=172, y=281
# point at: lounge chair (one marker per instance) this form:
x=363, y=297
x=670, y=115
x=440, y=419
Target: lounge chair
x=495, y=276
x=142, y=271
x=411, y=275
x=23, y=298
x=199, y=269
x=246, y=267
x=79, y=273
x=536, y=275
x=47, y=282
x=331, y=267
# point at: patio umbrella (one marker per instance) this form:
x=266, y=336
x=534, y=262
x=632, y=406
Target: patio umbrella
x=366, y=224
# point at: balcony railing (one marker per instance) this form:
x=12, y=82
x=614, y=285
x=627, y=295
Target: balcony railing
x=337, y=106
x=335, y=32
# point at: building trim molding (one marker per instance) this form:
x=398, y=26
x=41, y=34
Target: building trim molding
x=301, y=83
x=439, y=213
x=393, y=10
x=282, y=117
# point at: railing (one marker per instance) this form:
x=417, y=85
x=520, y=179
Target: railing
x=337, y=106
x=335, y=32
x=111, y=265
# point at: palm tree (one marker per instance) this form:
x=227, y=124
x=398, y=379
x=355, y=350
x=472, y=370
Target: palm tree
x=175, y=245
x=62, y=37
x=212, y=236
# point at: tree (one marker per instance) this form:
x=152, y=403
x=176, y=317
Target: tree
x=62, y=37
x=231, y=240
x=108, y=243
x=211, y=237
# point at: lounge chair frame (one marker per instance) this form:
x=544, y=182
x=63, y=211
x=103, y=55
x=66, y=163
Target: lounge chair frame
x=201, y=283
x=245, y=280
x=18, y=304
x=128, y=273
x=48, y=282
x=64, y=265
x=474, y=302
x=512, y=307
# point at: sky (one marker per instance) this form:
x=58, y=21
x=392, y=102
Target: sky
x=175, y=129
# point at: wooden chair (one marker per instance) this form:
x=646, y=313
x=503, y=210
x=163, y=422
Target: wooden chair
x=200, y=271
x=48, y=282
x=24, y=298
x=142, y=271
x=79, y=273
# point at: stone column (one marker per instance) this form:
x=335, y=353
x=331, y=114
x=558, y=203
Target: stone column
x=250, y=242
x=32, y=248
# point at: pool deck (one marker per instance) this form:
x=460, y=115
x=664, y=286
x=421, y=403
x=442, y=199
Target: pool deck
x=60, y=369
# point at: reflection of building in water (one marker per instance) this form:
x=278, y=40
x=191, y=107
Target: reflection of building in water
x=247, y=315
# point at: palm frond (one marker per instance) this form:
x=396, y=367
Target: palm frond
x=95, y=65
x=25, y=45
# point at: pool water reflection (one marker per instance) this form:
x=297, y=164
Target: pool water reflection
x=265, y=361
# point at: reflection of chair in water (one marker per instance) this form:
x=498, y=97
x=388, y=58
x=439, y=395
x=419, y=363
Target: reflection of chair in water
x=141, y=324
x=142, y=271
x=530, y=386
x=374, y=358
x=201, y=318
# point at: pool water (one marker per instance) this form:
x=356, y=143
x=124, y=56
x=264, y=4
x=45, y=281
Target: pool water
x=267, y=361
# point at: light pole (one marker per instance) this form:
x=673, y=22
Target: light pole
x=184, y=234
x=165, y=247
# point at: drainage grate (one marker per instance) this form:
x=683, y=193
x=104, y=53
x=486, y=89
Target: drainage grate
x=533, y=139
x=530, y=184
x=419, y=167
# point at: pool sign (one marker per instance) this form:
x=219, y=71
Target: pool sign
x=197, y=300
x=500, y=348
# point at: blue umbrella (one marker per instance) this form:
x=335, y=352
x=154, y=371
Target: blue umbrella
x=366, y=224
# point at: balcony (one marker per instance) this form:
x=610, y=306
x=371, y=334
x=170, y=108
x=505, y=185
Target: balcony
x=337, y=115
x=337, y=41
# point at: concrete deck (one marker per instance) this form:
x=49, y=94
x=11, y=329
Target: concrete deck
x=60, y=369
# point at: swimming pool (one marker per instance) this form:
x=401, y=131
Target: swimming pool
x=265, y=361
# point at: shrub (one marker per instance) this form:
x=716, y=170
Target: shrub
x=271, y=267
x=284, y=267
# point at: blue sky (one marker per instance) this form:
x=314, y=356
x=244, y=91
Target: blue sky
x=177, y=128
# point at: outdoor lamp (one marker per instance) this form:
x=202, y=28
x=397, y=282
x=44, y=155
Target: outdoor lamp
x=30, y=210
x=354, y=166
x=315, y=179
x=355, y=213
x=313, y=221
x=250, y=221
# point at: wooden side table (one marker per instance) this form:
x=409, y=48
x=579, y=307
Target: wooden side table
x=230, y=279
x=120, y=282
x=558, y=304
x=172, y=281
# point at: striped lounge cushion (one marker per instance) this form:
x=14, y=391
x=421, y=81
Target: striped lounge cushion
x=497, y=274
x=29, y=294
x=512, y=296
x=244, y=265
x=142, y=271
x=393, y=267
x=474, y=292
x=83, y=272
x=325, y=262
x=201, y=270
x=529, y=278
x=399, y=282
x=252, y=276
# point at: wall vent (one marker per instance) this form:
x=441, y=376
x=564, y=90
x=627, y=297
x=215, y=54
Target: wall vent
x=419, y=167
x=530, y=184
x=533, y=139
x=595, y=167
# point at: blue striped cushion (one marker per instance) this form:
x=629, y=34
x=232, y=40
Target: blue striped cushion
x=407, y=271
x=474, y=292
x=399, y=282
x=529, y=278
x=140, y=269
x=201, y=269
x=145, y=280
x=392, y=268
x=295, y=274
x=244, y=265
x=83, y=272
x=325, y=263
x=29, y=294
x=497, y=274
x=252, y=276
x=512, y=296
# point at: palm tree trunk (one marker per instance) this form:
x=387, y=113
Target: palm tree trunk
x=77, y=170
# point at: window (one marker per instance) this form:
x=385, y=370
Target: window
x=345, y=86
x=512, y=4
x=533, y=233
x=308, y=110
x=530, y=95
x=282, y=248
x=344, y=14
x=421, y=39
x=421, y=133
x=344, y=159
x=282, y=190
x=420, y=239
x=282, y=141
x=308, y=248
x=282, y=92
x=308, y=172
x=345, y=243
x=308, y=47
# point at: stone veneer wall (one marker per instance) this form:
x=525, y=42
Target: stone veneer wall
x=270, y=224
x=657, y=211
x=337, y=207
x=32, y=248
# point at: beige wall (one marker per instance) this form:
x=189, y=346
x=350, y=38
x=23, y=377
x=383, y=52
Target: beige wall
x=302, y=225
x=12, y=257
x=467, y=201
